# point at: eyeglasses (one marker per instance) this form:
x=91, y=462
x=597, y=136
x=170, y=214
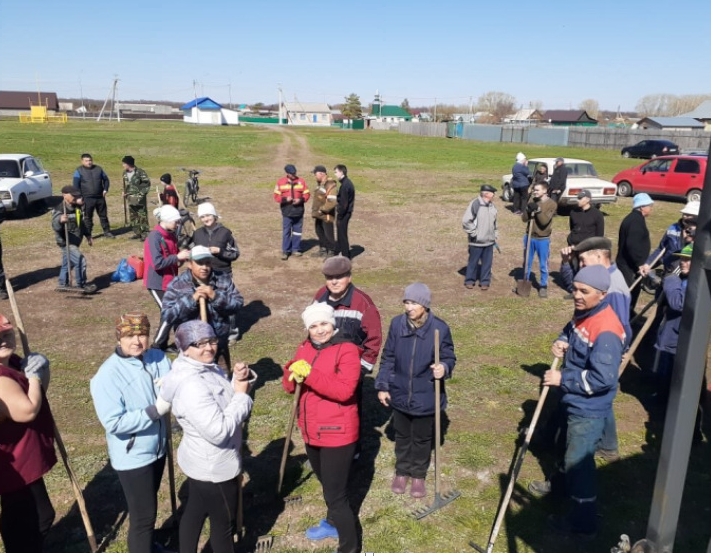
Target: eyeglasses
x=202, y=344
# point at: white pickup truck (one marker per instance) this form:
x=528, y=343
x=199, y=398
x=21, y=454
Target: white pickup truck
x=22, y=181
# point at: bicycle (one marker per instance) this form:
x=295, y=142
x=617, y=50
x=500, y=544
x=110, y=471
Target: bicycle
x=192, y=187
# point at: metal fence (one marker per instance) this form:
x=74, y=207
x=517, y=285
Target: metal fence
x=590, y=137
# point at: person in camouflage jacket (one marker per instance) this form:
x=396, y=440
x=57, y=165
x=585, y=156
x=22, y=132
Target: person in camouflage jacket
x=136, y=187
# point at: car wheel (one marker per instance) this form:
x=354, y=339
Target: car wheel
x=624, y=189
x=626, y=154
x=693, y=195
x=506, y=194
x=23, y=206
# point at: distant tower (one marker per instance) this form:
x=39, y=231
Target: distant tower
x=377, y=105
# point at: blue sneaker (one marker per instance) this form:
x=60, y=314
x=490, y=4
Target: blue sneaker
x=324, y=530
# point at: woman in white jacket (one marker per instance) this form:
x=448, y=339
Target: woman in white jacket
x=211, y=411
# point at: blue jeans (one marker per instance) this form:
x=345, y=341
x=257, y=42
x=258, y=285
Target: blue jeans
x=78, y=262
x=292, y=227
x=582, y=438
x=476, y=272
x=542, y=248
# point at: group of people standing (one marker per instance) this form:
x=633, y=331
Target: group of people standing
x=331, y=210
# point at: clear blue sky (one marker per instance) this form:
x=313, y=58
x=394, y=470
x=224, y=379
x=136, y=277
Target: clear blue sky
x=559, y=52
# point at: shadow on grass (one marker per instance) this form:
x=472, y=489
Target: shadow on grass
x=251, y=314
x=29, y=279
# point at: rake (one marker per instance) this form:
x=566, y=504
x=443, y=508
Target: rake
x=440, y=500
x=264, y=544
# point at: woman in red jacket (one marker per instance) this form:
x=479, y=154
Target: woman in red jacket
x=328, y=368
x=26, y=446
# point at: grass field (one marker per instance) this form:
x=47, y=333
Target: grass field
x=411, y=193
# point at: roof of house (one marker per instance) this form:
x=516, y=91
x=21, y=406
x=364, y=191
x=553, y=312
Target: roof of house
x=389, y=111
x=568, y=116
x=310, y=107
x=701, y=112
x=677, y=121
x=202, y=102
x=526, y=114
x=22, y=100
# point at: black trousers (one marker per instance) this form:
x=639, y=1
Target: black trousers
x=344, y=247
x=325, y=234
x=520, y=199
x=163, y=332
x=140, y=487
x=97, y=204
x=331, y=466
x=27, y=515
x=413, y=444
x=218, y=501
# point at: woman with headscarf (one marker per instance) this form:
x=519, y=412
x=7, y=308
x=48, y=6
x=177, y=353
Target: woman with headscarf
x=328, y=367
x=405, y=382
x=26, y=446
x=211, y=410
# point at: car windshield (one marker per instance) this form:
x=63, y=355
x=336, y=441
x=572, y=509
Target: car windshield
x=9, y=169
x=580, y=170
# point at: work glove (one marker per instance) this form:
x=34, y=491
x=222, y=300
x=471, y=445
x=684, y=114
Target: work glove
x=533, y=208
x=36, y=365
x=299, y=370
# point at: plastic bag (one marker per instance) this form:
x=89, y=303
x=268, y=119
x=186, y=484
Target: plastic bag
x=124, y=272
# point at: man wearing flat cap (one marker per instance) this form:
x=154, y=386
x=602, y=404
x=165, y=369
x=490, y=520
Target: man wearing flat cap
x=323, y=211
x=357, y=317
x=558, y=180
x=591, y=346
x=291, y=193
x=585, y=220
x=136, y=187
x=479, y=222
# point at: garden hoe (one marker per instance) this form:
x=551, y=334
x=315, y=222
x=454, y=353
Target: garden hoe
x=440, y=500
x=515, y=469
x=523, y=287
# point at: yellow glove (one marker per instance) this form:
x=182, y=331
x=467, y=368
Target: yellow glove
x=299, y=370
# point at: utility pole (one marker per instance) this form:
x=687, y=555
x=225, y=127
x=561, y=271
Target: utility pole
x=435, y=114
x=280, y=102
x=112, y=96
x=229, y=92
x=81, y=94
x=471, y=109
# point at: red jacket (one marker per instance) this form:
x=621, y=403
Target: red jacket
x=296, y=189
x=328, y=414
x=160, y=256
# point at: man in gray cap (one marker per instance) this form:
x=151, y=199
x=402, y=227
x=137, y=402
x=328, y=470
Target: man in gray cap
x=357, y=317
x=479, y=222
x=323, y=211
x=591, y=346
x=585, y=220
x=291, y=193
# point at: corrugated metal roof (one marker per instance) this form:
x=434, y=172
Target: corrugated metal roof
x=311, y=107
x=389, y=111
x=22, y=100
x=677, y=121
x=701, y=112
x=202, y=102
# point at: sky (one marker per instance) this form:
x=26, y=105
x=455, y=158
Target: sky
x=558, y=52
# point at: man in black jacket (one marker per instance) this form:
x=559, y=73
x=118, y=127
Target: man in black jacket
x=634, y=242
x=93, y=183
x=344, y=209
x=585, y=220
x=558, y=180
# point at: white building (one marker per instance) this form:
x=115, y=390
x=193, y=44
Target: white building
x=205, y=111
x=307, y=113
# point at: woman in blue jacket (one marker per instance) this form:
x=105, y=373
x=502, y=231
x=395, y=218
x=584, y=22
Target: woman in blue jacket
x=405, y=382
x=125, y=397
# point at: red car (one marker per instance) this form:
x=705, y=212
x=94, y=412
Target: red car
x=672, y=176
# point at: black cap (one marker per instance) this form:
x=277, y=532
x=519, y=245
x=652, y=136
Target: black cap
x=166, y=178
x=71, y=190
x=593, y=243
x=320, y=169
x=290, y=169
x=128, y=159
x=487, y=188
x=584, y=193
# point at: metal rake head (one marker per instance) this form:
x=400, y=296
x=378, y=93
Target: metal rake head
x=293, y=500
x=264, y=544
x=440, y=500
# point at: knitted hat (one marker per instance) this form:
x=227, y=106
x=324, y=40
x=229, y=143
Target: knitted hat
x=520, y=157
x=691, y=208
x=5, y=324
x=169, y=213
x=166, y=179
x=336, y=266
x=596, y=276
x=128, y=159
x=134, y=323
x=419, y=293
x=207, y=208
x=192, y=331
x=290, y=169
x=316, y=313
x=641, y=200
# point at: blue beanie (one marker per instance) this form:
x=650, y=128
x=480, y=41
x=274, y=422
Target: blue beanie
x=641, y=200
x=192, y=331
x=419, y=293
x=596, y=276
x=290, y=169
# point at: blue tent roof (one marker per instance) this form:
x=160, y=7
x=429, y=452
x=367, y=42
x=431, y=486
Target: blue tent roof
x=202, y=102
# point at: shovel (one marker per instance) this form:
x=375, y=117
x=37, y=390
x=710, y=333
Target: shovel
x=523, y=287
x=287, y=441
x=516, y=469
x=440, y=500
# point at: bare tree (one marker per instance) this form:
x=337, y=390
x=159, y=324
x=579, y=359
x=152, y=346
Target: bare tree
x=496, y=103
x=536, y=105
x=591, y=106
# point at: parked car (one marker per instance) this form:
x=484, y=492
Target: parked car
x=650, y=148
x=581, y=175
x=673, y=176
x=23, y=181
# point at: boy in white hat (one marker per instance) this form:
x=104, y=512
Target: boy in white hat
x=677, y=236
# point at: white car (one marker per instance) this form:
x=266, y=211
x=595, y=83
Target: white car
x=581, y=175
x=22, y=181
